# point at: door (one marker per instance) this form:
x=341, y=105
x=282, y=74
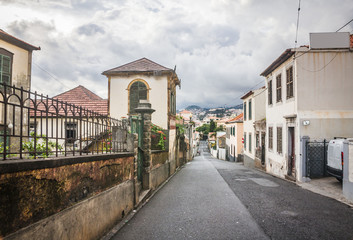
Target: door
x=291, y=152
x=263, y=147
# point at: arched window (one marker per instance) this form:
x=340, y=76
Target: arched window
x=138, y=91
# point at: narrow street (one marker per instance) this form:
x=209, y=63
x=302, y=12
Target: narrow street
x=215, y=199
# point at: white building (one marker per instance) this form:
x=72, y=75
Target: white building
x=254, y=110
x=234, y=135
x=309, y=94
x=144, y=79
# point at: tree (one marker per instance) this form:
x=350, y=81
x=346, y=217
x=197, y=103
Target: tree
x=213, y=126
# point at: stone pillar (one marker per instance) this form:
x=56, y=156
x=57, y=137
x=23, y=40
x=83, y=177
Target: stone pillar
x=145, y=110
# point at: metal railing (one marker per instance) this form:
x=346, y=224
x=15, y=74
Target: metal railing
x=33, y=125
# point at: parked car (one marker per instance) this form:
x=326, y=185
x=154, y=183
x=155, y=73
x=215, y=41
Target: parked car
x=337, y=156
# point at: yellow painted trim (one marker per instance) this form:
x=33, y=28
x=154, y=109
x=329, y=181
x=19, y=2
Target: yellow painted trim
x=128, y=89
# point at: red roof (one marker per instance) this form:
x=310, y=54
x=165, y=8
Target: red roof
x=80, y=97
x=237, y=118
x=17, y=42
x=141, y=65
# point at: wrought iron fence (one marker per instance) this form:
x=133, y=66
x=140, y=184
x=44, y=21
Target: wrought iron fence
x=316, y=156
x=33, y=125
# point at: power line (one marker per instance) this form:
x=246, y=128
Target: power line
x=250, y=89
x=345, y=25
x=50, y=75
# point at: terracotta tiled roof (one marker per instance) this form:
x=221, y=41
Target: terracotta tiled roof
x=237, y=118
x=185, y=112
x=141, y=65
x=17, y=42
x=81, y=97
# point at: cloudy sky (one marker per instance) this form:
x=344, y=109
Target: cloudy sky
x=219, y=46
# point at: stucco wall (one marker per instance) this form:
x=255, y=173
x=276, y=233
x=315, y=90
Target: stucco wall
x=277, y=163
x=258, y=101
x=325, y=81
x=158, y=97
x=20, y=66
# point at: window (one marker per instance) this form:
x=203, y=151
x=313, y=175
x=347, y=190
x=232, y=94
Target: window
x=233, y=131
x=244, y=140
x=279, y=88
x=70, y=130
x=290, y=91
x=270, y=138
x=279, y=139
x=257, y=140
x=250, y=147
x=244, y=111
x=269, y=89
x=172, y=103
x=5, y=66
x=138, y=91
x=250, y=110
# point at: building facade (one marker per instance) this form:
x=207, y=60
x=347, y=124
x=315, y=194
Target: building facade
x=309, y=94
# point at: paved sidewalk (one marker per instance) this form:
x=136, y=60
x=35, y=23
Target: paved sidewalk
x=195, y=204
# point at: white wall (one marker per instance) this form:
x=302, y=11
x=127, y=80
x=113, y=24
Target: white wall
x=20, y=66
x=158, y=97
x=277, y=163
x=258, y=102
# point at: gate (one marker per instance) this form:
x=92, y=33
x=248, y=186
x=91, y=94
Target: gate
x=316, y=159
x=137, y=127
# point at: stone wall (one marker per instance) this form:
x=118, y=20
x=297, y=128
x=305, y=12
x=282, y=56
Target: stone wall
x=31, y=190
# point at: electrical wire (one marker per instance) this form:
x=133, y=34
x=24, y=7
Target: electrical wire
x=51, y=75
x=319, y=70
x=345, y=25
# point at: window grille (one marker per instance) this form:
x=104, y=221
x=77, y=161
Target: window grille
x=270, y=138
x=279, y=139
x=290, y=91
x=279, y=88
x=269, y=89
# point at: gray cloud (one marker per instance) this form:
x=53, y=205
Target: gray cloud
x=90, y=29
x=219, y=47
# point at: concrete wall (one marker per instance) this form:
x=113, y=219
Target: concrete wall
x=222, y=154
x=248, y=161
x=325, y=81
x=158, y=89
x=159, y=175
x=89, y=219
x=31, y=190
x=348, y=174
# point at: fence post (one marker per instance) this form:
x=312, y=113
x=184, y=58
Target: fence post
x=145, y=110
x=304, y=160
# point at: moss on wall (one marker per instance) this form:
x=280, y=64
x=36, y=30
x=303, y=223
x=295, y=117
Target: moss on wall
x=28, y=196
x=159, y=158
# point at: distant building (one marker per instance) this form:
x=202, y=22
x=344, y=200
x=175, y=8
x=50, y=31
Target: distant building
x=254, y=139
x=234, y=135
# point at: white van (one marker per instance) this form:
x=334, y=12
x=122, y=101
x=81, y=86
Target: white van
x=337, y=156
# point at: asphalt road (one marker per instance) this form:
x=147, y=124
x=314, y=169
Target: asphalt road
x=215, y=199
